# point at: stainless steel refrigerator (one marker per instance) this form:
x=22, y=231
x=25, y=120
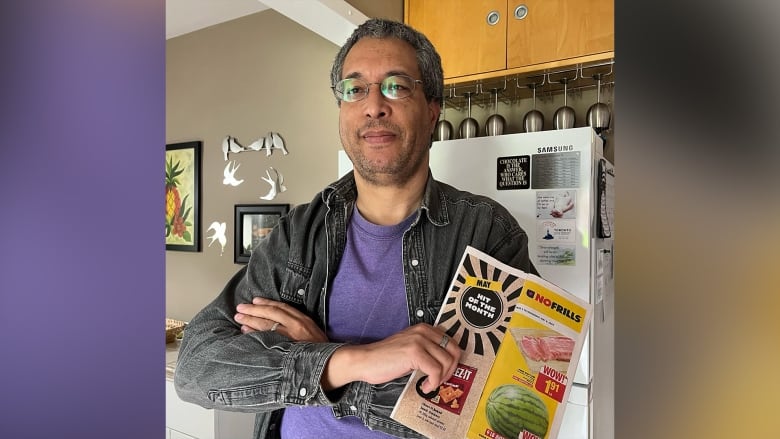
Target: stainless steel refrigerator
x=560, y=188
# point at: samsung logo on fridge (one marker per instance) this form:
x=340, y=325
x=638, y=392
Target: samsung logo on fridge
x=556, y=148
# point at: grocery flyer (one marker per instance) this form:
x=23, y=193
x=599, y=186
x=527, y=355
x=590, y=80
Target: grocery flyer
x=521, y=338
x=529, y=383
x=475, y=314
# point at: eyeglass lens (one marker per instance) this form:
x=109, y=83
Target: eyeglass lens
x=392, y=87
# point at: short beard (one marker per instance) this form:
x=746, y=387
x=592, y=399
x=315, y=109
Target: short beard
x=395, y=173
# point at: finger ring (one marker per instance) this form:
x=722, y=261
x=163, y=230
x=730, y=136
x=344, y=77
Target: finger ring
x=274, y=326
x=444, y=341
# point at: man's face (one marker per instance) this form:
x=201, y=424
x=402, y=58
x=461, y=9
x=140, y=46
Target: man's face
x=387, y=140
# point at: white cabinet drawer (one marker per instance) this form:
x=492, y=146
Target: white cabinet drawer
x=179, y=435
x=189, y=419
x=234, y=425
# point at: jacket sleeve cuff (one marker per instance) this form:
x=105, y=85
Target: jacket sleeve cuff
x=302, y=371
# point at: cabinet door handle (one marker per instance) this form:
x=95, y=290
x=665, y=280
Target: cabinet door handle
x=493, y=18
x=521, y=12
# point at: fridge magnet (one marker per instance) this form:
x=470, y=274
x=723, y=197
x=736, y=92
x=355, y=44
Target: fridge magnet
x=556, y=254
x=252, y=223
x=513, y=172
x=556, y=230
x=219, y=234
x=556, y=204
x=229, y=174
x=182, y=196
x=276, y=181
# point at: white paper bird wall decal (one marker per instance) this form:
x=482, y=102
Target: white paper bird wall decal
x=268, y=143
x=229, y=174
x=219, y=234
x=230, y=143
x=280, y=180
x=276, y=181
x=257, y=145
x=278, y=143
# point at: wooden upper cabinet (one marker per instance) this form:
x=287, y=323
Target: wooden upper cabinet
x=461, y=33
x=556, y=30
x=551, y=31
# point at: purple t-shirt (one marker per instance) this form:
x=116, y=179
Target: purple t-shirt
x=367, y=303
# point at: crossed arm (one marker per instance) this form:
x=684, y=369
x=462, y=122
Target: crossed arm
x=414, y=348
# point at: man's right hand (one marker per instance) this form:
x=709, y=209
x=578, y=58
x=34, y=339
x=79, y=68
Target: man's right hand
x=415, y=348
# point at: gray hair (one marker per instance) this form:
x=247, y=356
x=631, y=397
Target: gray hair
x=428, y=60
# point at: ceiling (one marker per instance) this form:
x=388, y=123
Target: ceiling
x=334, y=20
x=185, y=16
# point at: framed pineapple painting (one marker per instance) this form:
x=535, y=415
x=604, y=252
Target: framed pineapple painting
x=182, y=196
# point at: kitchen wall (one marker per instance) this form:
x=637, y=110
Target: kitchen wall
x=244, y=78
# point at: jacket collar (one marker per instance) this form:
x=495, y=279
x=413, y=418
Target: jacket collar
x=433, y=202
x=344, y=188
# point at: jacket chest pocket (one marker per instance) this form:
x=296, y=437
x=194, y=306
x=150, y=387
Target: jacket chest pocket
x=296, y=285
x=303, y=292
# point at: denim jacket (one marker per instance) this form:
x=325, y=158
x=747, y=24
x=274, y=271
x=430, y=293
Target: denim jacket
x=263, y=371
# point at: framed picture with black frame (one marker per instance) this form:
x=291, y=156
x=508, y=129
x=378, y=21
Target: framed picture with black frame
x=182, y=196
x=252, y=223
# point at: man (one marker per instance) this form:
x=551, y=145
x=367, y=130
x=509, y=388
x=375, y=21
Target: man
x=335, y=307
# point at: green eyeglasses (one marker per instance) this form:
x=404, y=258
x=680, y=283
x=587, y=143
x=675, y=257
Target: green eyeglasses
x=392, y=87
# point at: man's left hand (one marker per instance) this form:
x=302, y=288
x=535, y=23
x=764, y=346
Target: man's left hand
x=266, y=314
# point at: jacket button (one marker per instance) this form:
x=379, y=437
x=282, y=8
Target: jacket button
x=420, y=313
x=302, y=392
x=415, y=262
x=301, y=292
x=353, y=408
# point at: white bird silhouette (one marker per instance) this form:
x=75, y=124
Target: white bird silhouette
x=225, y=146
x=257, y=145
x=219, y=234
x=229, y=173
x=277, y=184
x=235, y=146
x=280, y=181
x=268, y=145
x=231, y=143
x=279, y=143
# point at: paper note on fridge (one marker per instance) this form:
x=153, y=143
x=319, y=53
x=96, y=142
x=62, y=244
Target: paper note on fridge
x=521, y=338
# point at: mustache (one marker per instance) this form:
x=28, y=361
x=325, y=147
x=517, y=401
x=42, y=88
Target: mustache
x=379, y=124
